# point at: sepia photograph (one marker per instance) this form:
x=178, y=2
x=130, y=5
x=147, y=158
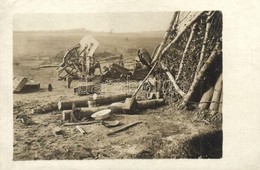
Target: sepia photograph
x=130, y=85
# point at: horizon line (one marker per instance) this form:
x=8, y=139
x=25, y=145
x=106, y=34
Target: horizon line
x=83, y=29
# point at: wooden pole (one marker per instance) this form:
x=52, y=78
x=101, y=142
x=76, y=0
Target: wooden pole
x=165, y=38
x=141, y=105
x=144, y=80
x=206, y=98
x=215, y=53
x=149, y=104
x=112, y=99
x=185, y=51
x=130, y=101
x=216, y=95
x=220, y=103
x=203, y=49
x=65, y=105
x=49, y=107
x=170, y=76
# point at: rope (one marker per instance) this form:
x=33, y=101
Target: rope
x=202, y=102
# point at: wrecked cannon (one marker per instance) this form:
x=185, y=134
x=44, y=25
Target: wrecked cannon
x=78, y=61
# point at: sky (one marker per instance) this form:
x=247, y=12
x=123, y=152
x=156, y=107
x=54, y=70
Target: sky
x=100, y=22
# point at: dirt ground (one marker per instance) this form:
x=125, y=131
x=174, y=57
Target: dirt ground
x=165, y=132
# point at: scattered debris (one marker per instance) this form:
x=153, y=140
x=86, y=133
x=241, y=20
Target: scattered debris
x=139, y=73
x=124, y=128
x=69, y=79
x=110, y=123
x=65, y=105
x=41, y=109
x=189, y=84
x=82, y=131
x=19, y=83
x=105, y=123
x=31, y=86
x=86, y=112
x=23, y=84
x=25, y=119
x=78, y=60
x=102, y=114
x=92, y=103
x=66, y=115
x=48, y=66
x=81, y=123
x=49, y=87
x=116, y=72
x=57, y=131
x=129, y=103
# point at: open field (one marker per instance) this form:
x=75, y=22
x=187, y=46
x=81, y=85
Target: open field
x=48, y=44
x=164, y=133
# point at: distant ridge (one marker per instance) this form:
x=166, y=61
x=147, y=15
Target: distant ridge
x=83, y=30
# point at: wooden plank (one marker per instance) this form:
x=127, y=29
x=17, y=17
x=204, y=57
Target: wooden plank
x=18, y=84
x=81, y=123
x=31, y=86
x=124, y=128
x=82, y=131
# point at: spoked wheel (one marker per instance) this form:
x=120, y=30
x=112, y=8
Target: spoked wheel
x=72, y=65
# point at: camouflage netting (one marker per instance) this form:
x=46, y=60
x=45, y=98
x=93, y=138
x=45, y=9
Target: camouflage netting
x=173, y=56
